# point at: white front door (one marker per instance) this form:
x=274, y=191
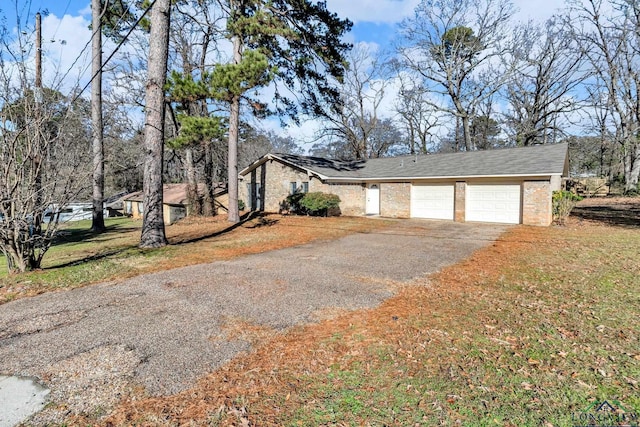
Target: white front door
x=373, y=200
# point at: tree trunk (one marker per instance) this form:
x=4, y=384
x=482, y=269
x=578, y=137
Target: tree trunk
x=632, y=168
x=234, y=124
x=37, y=167
x=153, y=233
x=96, y=118
x=412, y=139
x=210, y=180
x=234, y=128
x=194, y=205
x=466, y=130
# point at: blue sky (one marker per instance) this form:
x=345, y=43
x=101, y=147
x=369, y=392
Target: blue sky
x=66, y=36
x=374, y=20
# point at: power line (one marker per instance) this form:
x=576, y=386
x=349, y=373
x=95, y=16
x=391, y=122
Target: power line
x=120, y=19
x=61, y=18
x=114, y=51
x=75, y=61
x=82, y=52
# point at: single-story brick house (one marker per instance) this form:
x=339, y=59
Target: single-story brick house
x=510, y=185
x=174, y=201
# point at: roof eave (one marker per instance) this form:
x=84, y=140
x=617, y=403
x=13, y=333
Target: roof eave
x=254, y=165
x=416, y=178
x=270, y=156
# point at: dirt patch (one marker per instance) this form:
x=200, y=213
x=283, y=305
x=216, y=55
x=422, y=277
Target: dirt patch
x=241, y=329
x=89, y=383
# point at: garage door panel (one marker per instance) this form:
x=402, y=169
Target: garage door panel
x=493, y=203
x=432, y=201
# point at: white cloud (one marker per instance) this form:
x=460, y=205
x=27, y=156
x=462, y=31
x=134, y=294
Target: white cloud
x=376, y=11
x=66, y=51
x=86, y=10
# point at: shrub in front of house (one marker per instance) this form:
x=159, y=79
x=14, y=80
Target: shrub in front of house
x=315, y=204
x=292, y=204
x=563, y=202
x=320, y=204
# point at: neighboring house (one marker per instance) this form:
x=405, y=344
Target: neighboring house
x=174, y=202
x=511, y=185
x=70, y=212
x=78, y=211
x=114, y=205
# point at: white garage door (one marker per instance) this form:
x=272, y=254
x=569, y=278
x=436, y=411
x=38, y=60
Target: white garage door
x=493, y=203
x=433, y=201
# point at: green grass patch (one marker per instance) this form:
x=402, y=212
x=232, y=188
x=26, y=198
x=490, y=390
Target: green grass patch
x=79, y=257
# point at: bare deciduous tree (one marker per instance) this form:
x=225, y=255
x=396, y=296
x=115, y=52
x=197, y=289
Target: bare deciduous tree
x=610, y=42
x=606, y=151
x=43, y=156
x=455, y=46
x=417, y=115
x=547, y=69
x=351, y=123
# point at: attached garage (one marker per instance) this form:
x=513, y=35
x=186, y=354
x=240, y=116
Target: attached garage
x=432, y=201
x=493, y=202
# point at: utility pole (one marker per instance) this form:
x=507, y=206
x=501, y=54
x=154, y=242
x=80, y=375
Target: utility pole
x=96, y=118
x=38, y=83
x=38, y=96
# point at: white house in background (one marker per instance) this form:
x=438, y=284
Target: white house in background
x=70, y=212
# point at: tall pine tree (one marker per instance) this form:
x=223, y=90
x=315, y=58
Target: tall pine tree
x=296, y=44
x=153, y=232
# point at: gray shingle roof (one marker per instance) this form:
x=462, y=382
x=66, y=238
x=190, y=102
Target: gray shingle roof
x=538, y=160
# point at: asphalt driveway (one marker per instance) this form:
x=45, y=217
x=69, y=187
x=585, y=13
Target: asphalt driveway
x=163, y=331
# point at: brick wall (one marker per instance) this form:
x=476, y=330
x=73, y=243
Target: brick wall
x=536, y=203
x=459, y=203
x=395, y=199
x=276, y=179
x=352, y=197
